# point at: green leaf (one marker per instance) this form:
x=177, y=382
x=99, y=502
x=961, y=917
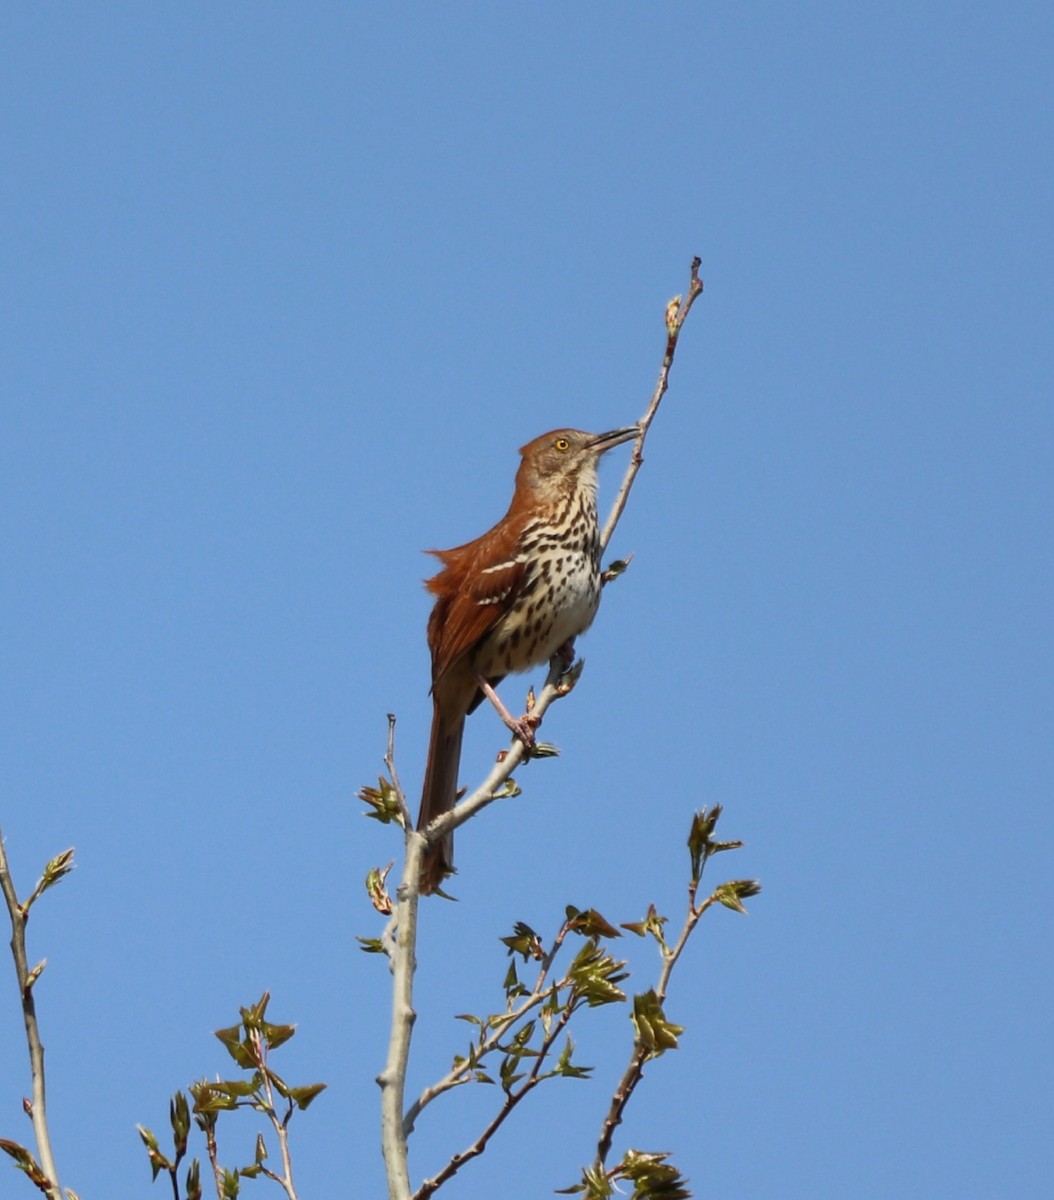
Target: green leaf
x=158, y=1162
x=594, y=976
x=57, y=867
x=238, y=1089
x=542, y=750
x=194, y=1181
x=652, y=924
x=276, y=1035
x=235, y=1047
x=370, y=945
x=565, y=1067
x=149, y=1140
x=591, y=924
x=384, y=802
x=733, y=893
x=279, y=1084
x=700, y=838
x=524, y=941
x=213, y=1098
x=654, y=1032
x=251, y=1017
x=594, y=1186
x=302, y=1096
x=179, y=1116
x=512, y=980
x=652, y=1177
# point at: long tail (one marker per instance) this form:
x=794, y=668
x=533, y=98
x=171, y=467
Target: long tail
x=439, y=795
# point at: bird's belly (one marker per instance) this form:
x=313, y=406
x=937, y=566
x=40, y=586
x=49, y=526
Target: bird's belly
x=560, y=606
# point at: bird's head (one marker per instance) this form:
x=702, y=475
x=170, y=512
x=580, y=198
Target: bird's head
x=566, y=458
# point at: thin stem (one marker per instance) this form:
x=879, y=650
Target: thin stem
x=214, y=1159
x=512, y=1098
x=555, y=687
x=38, y=1108
x=281, y=1127
x=675, y=318
x=639, y=1055
x=458, y=1075
x=389, y=762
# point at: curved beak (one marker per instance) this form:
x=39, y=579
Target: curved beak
x=604, y=441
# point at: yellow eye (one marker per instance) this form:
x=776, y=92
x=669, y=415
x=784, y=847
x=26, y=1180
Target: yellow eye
x=562, y=444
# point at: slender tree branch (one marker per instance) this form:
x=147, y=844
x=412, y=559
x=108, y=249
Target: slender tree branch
x=676, y=313
x=389, y=762
x=461, y=1073
x=26, y=979
x=512, y=1097
x=640, y=1054
x=558, y=683
x=280, y=1125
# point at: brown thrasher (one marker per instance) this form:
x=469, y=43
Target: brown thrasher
x=509, y=601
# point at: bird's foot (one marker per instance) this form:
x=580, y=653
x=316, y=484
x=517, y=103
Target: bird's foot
x=520, y=727
x=524, y=727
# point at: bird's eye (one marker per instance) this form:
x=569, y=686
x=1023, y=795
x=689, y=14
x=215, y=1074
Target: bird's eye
x=562, y=444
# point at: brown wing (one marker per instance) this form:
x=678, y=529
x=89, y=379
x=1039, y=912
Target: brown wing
x=471, y=599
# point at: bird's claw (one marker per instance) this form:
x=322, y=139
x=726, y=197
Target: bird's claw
x=524, y=727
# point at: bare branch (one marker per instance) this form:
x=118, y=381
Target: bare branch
x=389, y=762
x=26, y=980
x=676, y=313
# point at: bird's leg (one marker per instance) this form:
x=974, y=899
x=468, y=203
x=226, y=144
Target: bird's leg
x=565, y=655
x=521, y=727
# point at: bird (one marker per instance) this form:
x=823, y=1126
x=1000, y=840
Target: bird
x=510, y=601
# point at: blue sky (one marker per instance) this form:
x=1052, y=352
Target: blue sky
x=284, y=290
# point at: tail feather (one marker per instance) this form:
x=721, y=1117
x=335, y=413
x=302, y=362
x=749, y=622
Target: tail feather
x=439, y=795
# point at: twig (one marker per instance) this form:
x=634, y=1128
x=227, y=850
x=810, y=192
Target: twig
x=676, y=313
x=558, y=683
x=389, y=762
x=26, y=980
x=280, y=1126
x=639, y=1055
x=512, y=1097
x=458, y=1075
